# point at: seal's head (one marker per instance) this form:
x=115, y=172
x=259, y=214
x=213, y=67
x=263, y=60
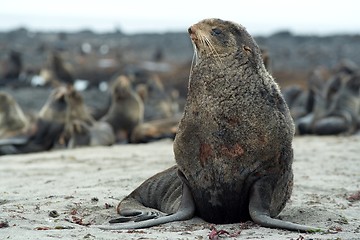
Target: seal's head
x=223, y=39
x=65, y=105
x=121, y=88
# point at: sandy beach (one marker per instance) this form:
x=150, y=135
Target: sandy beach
x=58, y=194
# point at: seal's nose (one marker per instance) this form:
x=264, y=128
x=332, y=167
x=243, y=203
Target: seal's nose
x=190, y=31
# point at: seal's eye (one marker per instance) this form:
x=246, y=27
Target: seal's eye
x=216, y=31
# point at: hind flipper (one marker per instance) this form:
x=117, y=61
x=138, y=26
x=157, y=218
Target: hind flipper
x=332, y=125
x=14, y=141
x=259, y=209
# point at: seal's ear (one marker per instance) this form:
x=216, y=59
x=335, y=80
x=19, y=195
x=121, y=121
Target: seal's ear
x=247, y=49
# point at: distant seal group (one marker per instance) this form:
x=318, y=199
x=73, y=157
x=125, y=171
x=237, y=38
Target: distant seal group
x=332, y=105
x=233, y=147
x=66, y=106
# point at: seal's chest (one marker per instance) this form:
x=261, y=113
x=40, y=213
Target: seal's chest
x=222, y=204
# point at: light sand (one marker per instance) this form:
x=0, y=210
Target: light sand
x=84, y=186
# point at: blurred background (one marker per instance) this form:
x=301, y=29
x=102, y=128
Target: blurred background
x=96, y=41
x=138, y=16
x=298, y=35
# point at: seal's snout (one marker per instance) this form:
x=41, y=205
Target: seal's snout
x=190, y=30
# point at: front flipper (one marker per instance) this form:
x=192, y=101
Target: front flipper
x=133, y=218
x=332, y=125
x=10, y=145
x=42, y=139
x=14, y=141
x=259, y=209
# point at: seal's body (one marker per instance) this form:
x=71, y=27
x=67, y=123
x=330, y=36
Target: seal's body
x=18, y=134
x=126, y=110
x=236, y=130
x=336, y=107
x=233, y=147
x=12, y=118
x=155, y=130
x=66, y=106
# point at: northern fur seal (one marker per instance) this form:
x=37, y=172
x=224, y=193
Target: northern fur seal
x=66, y=106
x=126, y=110
x=233, y=148
x=301, y=101
x=336, y=106
x=339, y=114
x=56, y=72
x=20, y=135
x=157, y=102
x=42, y=136
x=12, y=119
x=155, y=130
x=13, y=66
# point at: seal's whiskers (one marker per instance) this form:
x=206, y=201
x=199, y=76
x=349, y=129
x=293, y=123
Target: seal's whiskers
x=213, y=52
x=193, y=61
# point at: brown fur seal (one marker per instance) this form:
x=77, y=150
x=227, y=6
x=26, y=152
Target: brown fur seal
x=301, y=100
x=19, y=135
x=56, y=72
x=126, y=110
x=12, y=119
x=158, y=103
x=342, y=112
x=336, y=107
x=155, y=130
x=233, y=148
x=13, y=66
x=42, y=136
x=66, y=106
